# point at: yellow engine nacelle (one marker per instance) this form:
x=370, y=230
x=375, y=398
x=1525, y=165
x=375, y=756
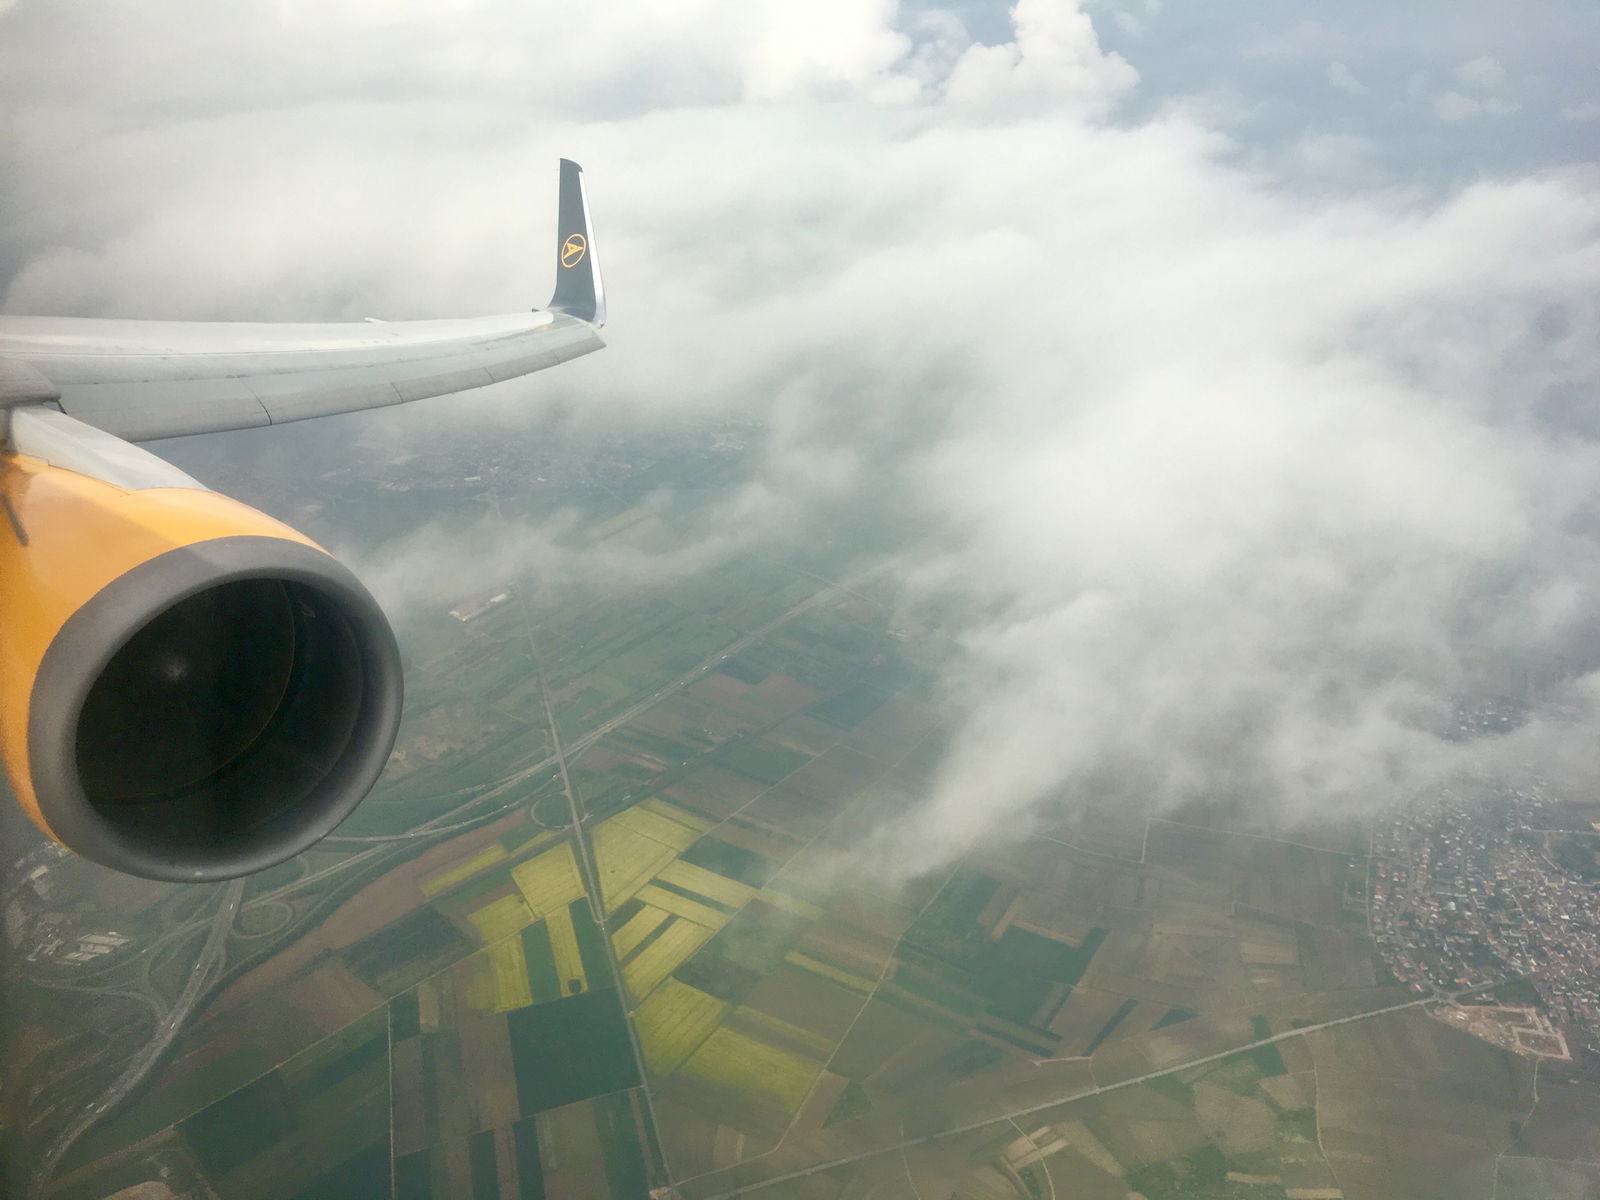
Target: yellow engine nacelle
x=189, y=689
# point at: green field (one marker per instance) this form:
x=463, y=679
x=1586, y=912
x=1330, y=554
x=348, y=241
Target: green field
x=316, y=1128
x=1109, y=1027
x=570, y=1050
x=763, y=762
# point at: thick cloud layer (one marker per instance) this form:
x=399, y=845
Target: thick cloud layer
x=1233, y=492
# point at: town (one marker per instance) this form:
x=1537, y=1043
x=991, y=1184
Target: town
x=1494, y=892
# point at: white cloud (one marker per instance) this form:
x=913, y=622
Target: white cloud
x=425, y=569
x=1222, y=489
x=1055, y=52
x=1453, y=106
x=1133, y=19
x=1335, y=156
x=1484, y=74
x=1589, y=110
x=1131, y=25
x=832, y=47
x=1344, y=79
x=1225, y=558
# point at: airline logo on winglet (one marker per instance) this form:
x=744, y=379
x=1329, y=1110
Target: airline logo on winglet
x=572, y=250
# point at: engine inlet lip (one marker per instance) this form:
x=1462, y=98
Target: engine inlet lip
x=99, y=630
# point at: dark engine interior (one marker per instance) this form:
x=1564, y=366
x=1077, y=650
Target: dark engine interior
x=221, y=715
x=214, y=711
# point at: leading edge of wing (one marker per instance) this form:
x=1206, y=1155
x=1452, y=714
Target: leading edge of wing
x=142, y=380
x=209, y=378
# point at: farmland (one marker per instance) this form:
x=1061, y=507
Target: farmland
x=1052, y=971
x=505, y=979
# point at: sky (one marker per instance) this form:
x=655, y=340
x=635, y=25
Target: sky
x=1238, y=371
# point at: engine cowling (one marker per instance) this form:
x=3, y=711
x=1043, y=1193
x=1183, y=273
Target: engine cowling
x=189, y=689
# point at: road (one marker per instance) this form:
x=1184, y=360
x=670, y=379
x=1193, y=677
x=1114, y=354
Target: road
x=207, y=969
x=1086, y=1094
x=451, y=820
x=564, y=754
x=211, y=961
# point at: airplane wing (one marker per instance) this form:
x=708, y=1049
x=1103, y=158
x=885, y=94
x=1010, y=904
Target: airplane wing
x=141, y=380
x=190, y=689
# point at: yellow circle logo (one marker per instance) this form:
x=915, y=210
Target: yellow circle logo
x=572, y=250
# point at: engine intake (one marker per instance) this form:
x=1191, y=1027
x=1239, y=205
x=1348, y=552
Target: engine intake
x=214, y=711
x=207, y=710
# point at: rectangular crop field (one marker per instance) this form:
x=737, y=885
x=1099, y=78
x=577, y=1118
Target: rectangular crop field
x=564, y=949
x=505, y=977
x=452, y=875
x=673, y=1022
x=500, y=918
x=570, y=1050
x=748, y=1067
x=690, y=910
x=406, y=950
x=550, y=881
x=792, y=905
x=856, y=983
x=637, y=927
x=763, y=761
x=707, y=883
x=633, y=846
x=661, y=957
x=544, y=985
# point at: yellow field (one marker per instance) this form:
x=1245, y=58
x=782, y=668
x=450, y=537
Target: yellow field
x=856, y=983
x=662, y=823
x=626, y=860
x=550, y=881
x=503, y=917
x=678, y=816
x=661, y=957
x=673, y=1022
x=789, y=904
x=453, y=875
x=639, y=926
x=707, y=883
x=742, y=1064
x=631, y=847
x=564, y=946
x=681, y=906
x=500, y=982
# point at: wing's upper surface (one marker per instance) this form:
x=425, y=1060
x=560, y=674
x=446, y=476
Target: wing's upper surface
x=146, y=379
x=142, y=380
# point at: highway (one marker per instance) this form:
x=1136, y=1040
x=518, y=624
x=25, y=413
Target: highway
x=451, y=819
x=562, y=754
x=211, y=962
x=207, y=969
x=1086, y=1094
x=591, y=884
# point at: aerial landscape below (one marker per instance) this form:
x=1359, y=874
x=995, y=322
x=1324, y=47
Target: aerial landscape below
x=598, y=934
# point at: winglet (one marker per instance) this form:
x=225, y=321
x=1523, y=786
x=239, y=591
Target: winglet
x=579, y=292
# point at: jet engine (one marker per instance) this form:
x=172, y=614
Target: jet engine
x=189, y=689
